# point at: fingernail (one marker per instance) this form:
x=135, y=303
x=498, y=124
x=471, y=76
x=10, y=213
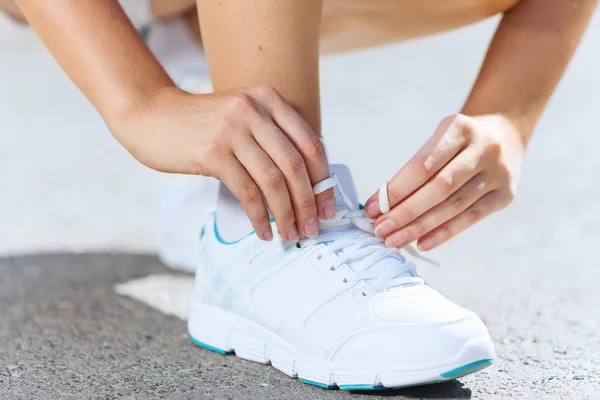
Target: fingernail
x=328, y=208
x=386, y=227
x=266, y=235
x=426, y=244
x=311, y=227
x=398, y=239
x=372, y=209
x=291, y=234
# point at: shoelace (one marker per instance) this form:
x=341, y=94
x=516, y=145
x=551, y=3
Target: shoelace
x=362, y=251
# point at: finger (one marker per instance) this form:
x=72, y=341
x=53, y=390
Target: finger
x=448, y=140
x=458, y=202
x=291, y=163
x=309, y=145
x=240, y=183
x=475, y=213
x=271, y=181
x=453, y=176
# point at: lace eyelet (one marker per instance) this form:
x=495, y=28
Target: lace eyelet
x=364, y=294
x=345, y=280
x=298, y=245
x=331, y=268
x=319, y=256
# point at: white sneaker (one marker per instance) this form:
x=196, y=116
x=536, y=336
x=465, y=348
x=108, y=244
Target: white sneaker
x=341, y=310
x=183, y=207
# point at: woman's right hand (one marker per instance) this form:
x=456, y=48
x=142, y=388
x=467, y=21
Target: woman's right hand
x=250, y=139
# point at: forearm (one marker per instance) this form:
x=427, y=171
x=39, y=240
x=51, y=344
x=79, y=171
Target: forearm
x=268, y=42
x=99, y=49
x=528, y=55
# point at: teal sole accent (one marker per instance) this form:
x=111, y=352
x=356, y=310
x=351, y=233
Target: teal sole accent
x=208, y=347
x=467, y=369
x=452, y=374
x=362, y=387
x=319, y=384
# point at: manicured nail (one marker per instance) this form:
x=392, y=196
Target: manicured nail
x=398, y=239
x=266, y=235
x=386, y=227
x=291, y=234
x=311, y=227
x=426, y=244
x=328, y=208
x=372, y=209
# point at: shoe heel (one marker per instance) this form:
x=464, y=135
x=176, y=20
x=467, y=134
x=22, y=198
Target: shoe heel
x=223, y=332
x=208, y=329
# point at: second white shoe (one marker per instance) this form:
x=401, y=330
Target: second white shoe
x=341, y=310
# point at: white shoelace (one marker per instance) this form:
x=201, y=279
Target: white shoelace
x=361, y=251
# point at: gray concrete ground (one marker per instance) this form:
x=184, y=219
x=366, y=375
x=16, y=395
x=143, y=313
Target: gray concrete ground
x=531, y=271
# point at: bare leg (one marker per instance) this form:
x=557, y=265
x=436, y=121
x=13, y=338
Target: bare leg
x=355, y=24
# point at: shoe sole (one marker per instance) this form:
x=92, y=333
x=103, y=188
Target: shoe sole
x=227, y=333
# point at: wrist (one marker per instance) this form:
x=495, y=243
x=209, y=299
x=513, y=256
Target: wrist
x=136, y=105
x=517, y=126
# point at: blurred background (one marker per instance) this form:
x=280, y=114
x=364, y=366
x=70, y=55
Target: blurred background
x=531, y=271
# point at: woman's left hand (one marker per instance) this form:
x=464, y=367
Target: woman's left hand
x=469, y=169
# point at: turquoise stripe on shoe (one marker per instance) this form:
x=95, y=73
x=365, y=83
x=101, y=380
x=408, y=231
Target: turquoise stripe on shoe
x=362, y=387
x=208, y=346
x=467, y=369
x=223, y=241
x=319, y=384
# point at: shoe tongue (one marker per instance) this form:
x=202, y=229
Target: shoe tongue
x=343, y=175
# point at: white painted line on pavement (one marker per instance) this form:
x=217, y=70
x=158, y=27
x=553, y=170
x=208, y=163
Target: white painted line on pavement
x=166, y=293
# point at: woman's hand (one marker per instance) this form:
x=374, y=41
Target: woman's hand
x=469, y=169
x=252, y=140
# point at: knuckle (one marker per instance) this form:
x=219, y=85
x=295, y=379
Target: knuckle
x=444, y=233
x=296, y=162
x=445, y=183
x=461, y=122
x=474, y=214
x=241, y=103
x=457, y=138
x=262, y=220
x=288, y=217
x=266, y=91
x=250, y=193
x=458, y=202
x=420, y=167
x=314, y=148
x=274, y=178
x=308, y=205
